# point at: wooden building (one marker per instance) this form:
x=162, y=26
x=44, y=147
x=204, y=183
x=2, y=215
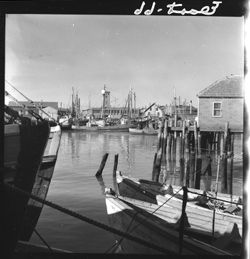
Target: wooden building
x=222, y=102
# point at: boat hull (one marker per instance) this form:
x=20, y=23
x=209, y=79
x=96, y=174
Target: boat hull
x=32, y=140
x=42, y=183
x=199, y=218
x=136, y=131
x=84, y=128
x=144, y=225
x=122, y=128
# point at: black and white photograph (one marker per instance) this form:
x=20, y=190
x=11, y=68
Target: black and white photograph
x=125, y=133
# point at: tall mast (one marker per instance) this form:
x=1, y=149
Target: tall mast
x=134, y=104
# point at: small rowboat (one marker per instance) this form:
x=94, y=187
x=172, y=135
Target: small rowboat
x=140, y=223
x=200, y=218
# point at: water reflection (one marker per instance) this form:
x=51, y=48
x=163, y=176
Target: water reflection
x=136, y=153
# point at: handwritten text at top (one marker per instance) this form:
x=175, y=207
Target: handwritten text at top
x=175, y=8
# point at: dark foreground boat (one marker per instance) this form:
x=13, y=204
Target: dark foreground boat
x=203, y=222
x=42, y=183
x=24, y=146
x=142, y=224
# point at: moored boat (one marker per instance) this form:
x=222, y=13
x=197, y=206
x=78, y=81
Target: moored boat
x=66, y=122
x=142, y=224
x=150, y=131
x=84, y=128
x=144, y=131
x=42, y=183
x=24, y=146
x=135, y=131
x=118, y=127
x=203, y=221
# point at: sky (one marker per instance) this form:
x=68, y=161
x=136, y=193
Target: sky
x=47, y=55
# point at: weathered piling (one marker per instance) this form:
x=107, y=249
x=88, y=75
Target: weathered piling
x=198, y=160
x=115, y=165
x=101, y=182
x=157, y=162
x=163, y=171
x=208, y=173
x=230, y=162
x=192, y=168
x=224, y=161
x=182, y=154
x=216, y=190
x=164, y=142
x=178, y=151
x=186, y=159
x=104, y=159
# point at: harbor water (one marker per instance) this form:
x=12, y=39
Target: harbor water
x=75, y=187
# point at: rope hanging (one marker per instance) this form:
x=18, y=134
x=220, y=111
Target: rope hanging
x=90, y=221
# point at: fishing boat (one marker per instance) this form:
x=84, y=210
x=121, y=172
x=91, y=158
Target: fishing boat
x=85, y=128
x=24, y=145
x=65, y=122
x=140, y=223
x=150, y=131
x=118, y=127
x=42, y=182
x=136, y=131
x=203, y=220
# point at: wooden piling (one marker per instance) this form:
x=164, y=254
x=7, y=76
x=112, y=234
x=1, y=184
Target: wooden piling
x=104, y=159
x=198, y=162
x=153, y=176
x=115, y=165
x=186, y=160
x=224, y=188
x=157, y=165
x=230, y=165
x=182, y=154
x=164, y=142
x=192, y=168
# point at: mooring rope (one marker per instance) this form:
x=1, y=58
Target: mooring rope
x=119, y=242
x=44, y=241
x=90, y=221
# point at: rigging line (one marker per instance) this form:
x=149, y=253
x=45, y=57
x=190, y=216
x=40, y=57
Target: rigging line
x=30, y=101
x=88, y=220
x=32, y=113
x=43, y=240
x=119, y=242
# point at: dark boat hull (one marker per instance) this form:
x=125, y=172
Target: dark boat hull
x=33, y=140
x=41, y=185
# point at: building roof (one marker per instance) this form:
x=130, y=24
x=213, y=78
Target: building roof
x=230, y=86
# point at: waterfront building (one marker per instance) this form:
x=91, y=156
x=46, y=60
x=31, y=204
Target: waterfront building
x=222, y=102
x=111, y=112
x=185, y=111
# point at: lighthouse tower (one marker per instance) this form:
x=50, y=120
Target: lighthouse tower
x=105, y=98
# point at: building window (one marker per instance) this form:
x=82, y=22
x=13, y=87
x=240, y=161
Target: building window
x=217, y=111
